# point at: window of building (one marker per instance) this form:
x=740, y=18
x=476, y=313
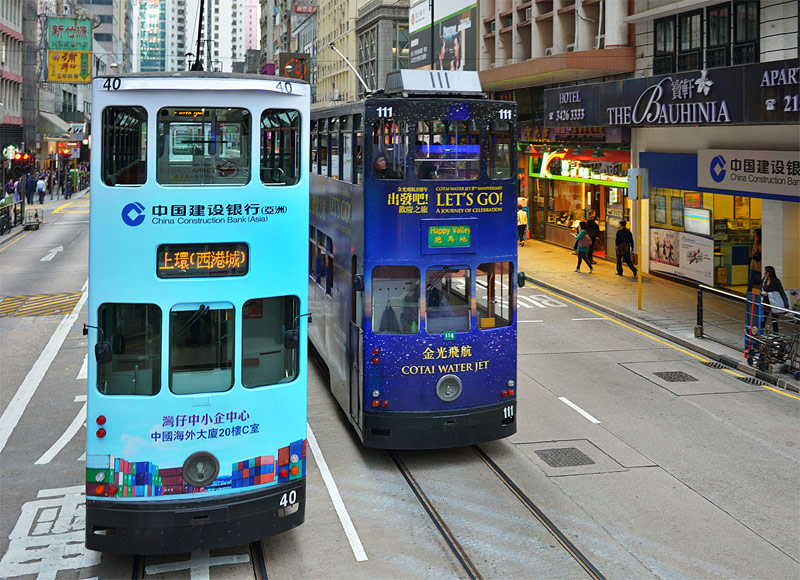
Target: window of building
x=389, y=141
x=447, y=149
x=746, y=32
x=265, y=361
x=718, y=37
x=690, y=38
x=664, y=55
x=494, y=288
x=203, y=146
x=395, y=300
x=134, y=332
x=124, y=146
x=447, y=299
x=280, y=147
x=400, y=48
x=201, y=340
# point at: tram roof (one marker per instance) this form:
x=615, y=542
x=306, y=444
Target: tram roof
x=434, y=83
x=201, y=75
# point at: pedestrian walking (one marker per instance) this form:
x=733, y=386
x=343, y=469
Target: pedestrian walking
x=41, y=188
x=594, y=231
x=772, y=294
x=624, y=247
x=584, y=240
x=68, y=189
x=754, y=279
x=30, y=188
x=522, y=224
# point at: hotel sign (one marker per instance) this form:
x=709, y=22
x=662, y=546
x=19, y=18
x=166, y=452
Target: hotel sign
x=763, y=93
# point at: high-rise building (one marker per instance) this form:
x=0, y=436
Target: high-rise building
x=11, y=41
x=160, y=36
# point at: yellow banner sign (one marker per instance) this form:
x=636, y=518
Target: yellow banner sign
x=68, y=66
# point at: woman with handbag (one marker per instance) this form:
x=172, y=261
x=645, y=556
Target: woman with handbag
x=584, y=240
x=624, y=244
x=772, y=294
x=754, y=280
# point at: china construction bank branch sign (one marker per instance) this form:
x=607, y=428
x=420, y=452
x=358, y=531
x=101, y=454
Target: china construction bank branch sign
x=768, y=172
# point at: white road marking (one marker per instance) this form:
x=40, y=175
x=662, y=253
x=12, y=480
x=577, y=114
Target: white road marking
x=13, y=413
x=519, y=321
x=84, y=372
x=588, y=319
x=333, y=491
x=199, y=564
x=52, y=254
x=82, y=457
x=579, y=410
x=80, y=398
x=65, y=438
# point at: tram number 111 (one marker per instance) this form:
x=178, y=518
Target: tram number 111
x=508, y=412
x=384, y=112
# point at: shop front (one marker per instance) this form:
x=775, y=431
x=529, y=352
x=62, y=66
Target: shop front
x=721, y=152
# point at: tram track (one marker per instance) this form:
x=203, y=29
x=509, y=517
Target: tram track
x=451, y=540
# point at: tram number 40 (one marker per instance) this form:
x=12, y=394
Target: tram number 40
x=289, y=498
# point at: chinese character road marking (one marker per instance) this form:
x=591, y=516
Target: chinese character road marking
x=199, y=564
x=49, y=536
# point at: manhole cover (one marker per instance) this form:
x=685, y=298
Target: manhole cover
x=676, y=377
x=564, y=457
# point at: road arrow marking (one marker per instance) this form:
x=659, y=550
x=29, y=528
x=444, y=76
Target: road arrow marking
x=52, y=254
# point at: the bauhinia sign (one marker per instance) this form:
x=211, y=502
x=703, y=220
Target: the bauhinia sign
x=756, y=94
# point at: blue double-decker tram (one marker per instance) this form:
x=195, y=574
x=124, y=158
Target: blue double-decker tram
x=412, y=260
x=196, y=426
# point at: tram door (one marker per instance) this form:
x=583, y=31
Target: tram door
x=355, y=346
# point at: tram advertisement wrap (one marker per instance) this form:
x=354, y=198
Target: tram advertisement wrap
x=152, y=464
x=447, y=199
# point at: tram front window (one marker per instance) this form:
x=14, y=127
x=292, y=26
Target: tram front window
x=395, y=300
x=447, y=300
x=123, y=160
x=265, y=321
x=448, y=150
x=203, y=146
x=280, y=147
x=134, y=331
x=201, y=348
x=493, y=288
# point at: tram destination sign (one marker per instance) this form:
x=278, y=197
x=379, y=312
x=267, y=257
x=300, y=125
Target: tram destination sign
x=202, y=260
x=754, y=94
x=454, y=236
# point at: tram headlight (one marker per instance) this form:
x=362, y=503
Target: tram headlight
x=200, y=469
x=449, y=388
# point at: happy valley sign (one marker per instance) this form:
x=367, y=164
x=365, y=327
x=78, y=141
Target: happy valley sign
x=761, y=93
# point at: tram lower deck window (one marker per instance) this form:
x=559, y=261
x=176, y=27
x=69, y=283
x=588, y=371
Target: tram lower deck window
x=494, y=288
x=265, y=361
x=201, y=341
x=134, y=331
x=447, y=300
x=395, y=300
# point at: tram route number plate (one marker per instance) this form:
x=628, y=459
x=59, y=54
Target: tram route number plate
x=449, y=334
x=202, y=260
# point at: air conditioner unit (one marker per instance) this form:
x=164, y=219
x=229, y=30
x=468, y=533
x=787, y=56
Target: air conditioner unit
x=529, y=13
x=571, y=47
x=548, y=51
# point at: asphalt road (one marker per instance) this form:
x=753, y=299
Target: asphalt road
x=688, y=473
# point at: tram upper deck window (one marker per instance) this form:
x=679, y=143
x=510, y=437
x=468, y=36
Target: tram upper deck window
x=389, y=142
x=447, y=300
x=201, y=348
x=265, y=361
x=124, y=149
x=447, y=150
x=280, y=147
x=500, y=151
x=134, y=331
x=203, y=146
x=494, y=285
x=395, y=300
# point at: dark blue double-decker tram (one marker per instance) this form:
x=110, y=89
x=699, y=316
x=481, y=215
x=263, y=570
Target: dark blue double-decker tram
x=412, y=261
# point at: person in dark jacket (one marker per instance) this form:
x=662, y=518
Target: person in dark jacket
x=593, y=230
x=30, y=188
x=772, y=294
x=381, y=169
x=624, y=244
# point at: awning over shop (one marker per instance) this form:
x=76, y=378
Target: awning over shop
x=50, y=123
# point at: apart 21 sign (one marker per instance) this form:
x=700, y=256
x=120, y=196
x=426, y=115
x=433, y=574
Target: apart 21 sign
x=763, y=93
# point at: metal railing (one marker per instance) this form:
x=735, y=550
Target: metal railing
x=721, y=317
x=10, y=216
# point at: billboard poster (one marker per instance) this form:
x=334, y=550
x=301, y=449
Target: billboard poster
x=69, y=50
x=446, y=41
x=681, y=254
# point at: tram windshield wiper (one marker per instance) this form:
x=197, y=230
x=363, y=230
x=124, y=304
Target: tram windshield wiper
x=196, y=315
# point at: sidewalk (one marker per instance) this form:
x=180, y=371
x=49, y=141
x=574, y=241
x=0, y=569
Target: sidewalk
x=669, y=309
x=44, y=211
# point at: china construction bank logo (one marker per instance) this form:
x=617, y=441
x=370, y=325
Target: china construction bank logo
x=133, y=214
x=717, y=168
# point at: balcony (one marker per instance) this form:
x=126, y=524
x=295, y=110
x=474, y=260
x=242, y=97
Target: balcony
x=745, y=53
x=663, y=64
x=690, y=60
x=717, y=57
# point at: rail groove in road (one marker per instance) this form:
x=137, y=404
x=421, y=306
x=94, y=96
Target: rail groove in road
x=39, y=304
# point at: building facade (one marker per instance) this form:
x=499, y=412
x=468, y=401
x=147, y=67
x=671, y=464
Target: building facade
x=11, y=85
x=383, y=41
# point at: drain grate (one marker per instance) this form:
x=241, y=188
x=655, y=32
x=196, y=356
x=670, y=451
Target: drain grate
x=676, y=377
x=750, y=380
x=564, y=457
x=714, y=364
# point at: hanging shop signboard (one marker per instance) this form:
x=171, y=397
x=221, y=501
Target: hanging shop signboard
x=754, y=94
